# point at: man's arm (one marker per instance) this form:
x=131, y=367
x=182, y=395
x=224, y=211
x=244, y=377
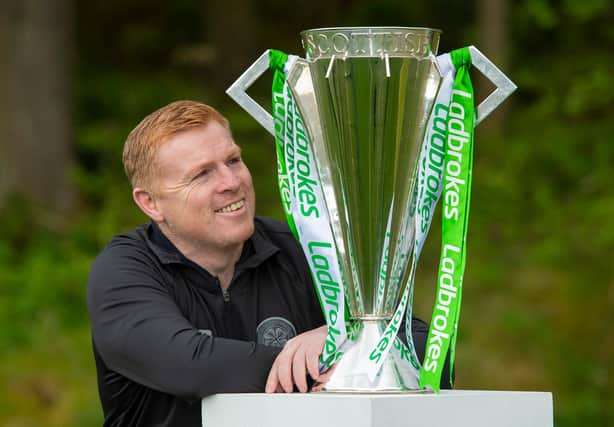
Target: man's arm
x=140, y=333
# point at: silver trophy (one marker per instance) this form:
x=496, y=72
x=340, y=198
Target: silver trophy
x=365, y=96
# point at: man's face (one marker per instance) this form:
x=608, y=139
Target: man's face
x=204, y=190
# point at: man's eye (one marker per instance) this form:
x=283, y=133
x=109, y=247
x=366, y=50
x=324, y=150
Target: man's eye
x=203, y=173
x=234, y=160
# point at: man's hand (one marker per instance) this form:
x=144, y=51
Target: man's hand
x=300, y=355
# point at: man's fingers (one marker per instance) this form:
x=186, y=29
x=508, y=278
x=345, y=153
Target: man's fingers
x=300, y=355
x=313, y=365
x=272, y=382
x=299, y=371
x=284, y=371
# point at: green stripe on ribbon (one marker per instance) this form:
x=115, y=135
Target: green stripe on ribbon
x=277, y=61
x=455, y=215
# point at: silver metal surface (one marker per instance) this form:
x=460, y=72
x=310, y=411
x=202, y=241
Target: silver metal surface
x=396, y=375
x=504, y=86
x=369, y=42
x=365, y=95
x=238, y=92
x=366, y=117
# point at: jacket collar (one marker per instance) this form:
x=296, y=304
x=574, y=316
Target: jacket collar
x=257, y=249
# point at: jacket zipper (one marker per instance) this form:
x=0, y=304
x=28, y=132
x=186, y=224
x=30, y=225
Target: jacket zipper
x=225, y=294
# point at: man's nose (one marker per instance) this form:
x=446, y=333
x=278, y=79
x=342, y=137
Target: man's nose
x=229, y=179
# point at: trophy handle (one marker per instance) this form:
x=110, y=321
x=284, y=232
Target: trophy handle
x=504, y=85
x=237, y=91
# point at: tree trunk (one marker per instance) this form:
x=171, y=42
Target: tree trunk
x=231, y=30
x=493, y=42
x=35, y=112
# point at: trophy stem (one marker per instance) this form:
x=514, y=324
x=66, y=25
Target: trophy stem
x=349, y=373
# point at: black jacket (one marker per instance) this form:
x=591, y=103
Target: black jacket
x=165, y=335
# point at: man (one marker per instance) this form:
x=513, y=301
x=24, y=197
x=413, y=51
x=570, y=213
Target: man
x=206, y=298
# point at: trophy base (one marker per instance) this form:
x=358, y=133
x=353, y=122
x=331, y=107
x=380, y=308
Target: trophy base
x=349, y=374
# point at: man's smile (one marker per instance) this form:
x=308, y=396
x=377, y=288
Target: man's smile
x=231, y=207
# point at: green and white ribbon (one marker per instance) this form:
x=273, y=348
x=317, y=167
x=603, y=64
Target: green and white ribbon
x=455, y=215
x=438, y=169
x=444, y=166
x=303, y=203
x=430, y=178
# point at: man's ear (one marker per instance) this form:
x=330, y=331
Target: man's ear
x=147, y=203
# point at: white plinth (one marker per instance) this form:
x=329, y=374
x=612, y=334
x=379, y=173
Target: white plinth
x=451, y=408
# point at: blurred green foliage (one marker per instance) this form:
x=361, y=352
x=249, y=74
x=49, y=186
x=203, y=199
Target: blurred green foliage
x=539, y=287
